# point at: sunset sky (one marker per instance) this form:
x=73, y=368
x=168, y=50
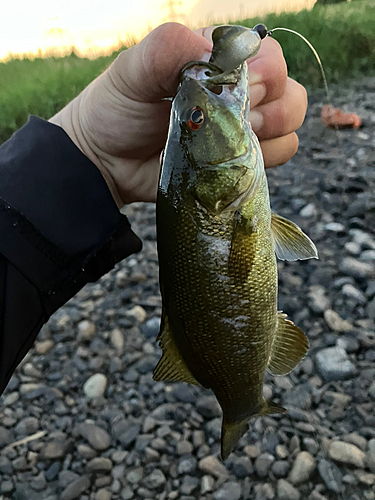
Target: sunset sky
x=95, y=25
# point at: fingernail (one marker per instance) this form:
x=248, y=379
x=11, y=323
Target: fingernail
x=254, y=78
x=257, y=94
x=206, y=56
x=256, y=120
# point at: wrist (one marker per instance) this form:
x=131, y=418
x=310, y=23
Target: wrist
x=69, y=120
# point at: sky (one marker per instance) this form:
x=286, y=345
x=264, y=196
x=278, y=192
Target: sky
x=93, y=26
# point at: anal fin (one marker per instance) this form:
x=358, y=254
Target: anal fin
x=289, y=348
x=291, y=243
x=171, y=367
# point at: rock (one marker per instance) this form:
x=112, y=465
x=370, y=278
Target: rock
x=347, y=453
x=357, y=440
x=99, y=464
x=95, y=386
x=207, y=484
x=6, y=466
x=86, y=331
x=303, y=467
x=151, y=328
x=319, y=301
x=281, y=451
x=27, y=426
x=331, y=475
x=189, y=484
x=336, y=323
x=229, y=491
x=183, y=393
x=128, y=437
x=103, y=494
x=263, y=463
x=5, y=436
x=308, y=211
x=186, y=465
x=97, y=437
x=44, y=346
x=242, y=467
x=264, y=492
x=38, y=483
x=52, y=472
x=184, y=448
x=252, y=451
x=155, y=479
x=333, y=364
x=55, y=450
x=357, y=269
x=208, y=407
x=135, y=475
x=136, y=313
x=370, y=455
x=75, y=489
x=280, y=468
x=211, y=465
x=285, y=491
x=127, y=493
x=353, y=293
x=117, y=340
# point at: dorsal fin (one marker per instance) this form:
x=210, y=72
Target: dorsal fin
x=291, y=243
x=289, y=348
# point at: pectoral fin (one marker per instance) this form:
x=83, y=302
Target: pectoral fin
x=171, y=366
x=289, y=348
x=291, y=243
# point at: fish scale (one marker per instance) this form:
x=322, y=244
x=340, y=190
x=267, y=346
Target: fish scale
x=217, y=240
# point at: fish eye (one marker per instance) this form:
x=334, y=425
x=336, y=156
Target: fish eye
x=196, y=118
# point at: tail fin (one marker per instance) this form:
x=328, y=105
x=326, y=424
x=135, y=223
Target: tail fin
x=231, y=432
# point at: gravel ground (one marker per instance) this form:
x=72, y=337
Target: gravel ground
x=100, y=428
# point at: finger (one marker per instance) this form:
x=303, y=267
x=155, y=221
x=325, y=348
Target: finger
x=149, y=71
x=283, y=116
x=279, y=151
x=268, y=67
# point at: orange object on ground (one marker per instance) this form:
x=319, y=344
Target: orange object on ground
x=335, y=118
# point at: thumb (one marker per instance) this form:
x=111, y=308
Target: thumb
x=148, y=71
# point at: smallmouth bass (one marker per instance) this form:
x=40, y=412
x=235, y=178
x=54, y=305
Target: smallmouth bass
x=217, y=240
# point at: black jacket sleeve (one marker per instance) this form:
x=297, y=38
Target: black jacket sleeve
x=59, y=229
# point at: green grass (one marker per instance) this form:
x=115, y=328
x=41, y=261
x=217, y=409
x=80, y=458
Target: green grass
x=343, y=34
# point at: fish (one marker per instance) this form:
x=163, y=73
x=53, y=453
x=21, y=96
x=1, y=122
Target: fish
x=217, y=243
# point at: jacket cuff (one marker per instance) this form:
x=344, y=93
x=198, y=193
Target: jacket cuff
x=58, y=220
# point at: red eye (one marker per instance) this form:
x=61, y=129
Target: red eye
x=196, y=118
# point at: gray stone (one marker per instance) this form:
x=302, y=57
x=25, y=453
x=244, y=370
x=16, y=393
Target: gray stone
x=127, y=493
x=229, y=491
x=97, y=437
x=103, y=494
x=336, y=323
x=207, y=484
x=303, y=467
x=264, y=492
x=242, y=467
x=356, y=268
x=280, y=468
x=263, y=463
x=117, y=340
x=285, y=491
x=135, y=475
x=128, y=437
x=308, y=210
x=186, y=465
x=184, y=448
x=27, y=426
x=95, y=386
x=183, y=393
x=370, y=456
x=353, y=293
x=67, y=477
x=347, y=453
x=214, y=428
x=331, y=475
x=155, y=479
x=76, y=489
x=151, y=327
x=189, y=484
x=86, y=331
x=5, y=436
x=55, y=450
x=333, y=364
x=99, y=464
x=212, y=466
x=6, y=466
x=38, y=483
x=319, y=301
x=208, y=407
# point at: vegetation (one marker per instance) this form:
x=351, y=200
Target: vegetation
x=342, y=34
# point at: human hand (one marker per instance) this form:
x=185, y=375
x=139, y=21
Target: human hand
x=278, y=103
x=120, y=122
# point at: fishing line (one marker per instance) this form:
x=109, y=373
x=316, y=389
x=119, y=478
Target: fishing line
x=270, y=33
